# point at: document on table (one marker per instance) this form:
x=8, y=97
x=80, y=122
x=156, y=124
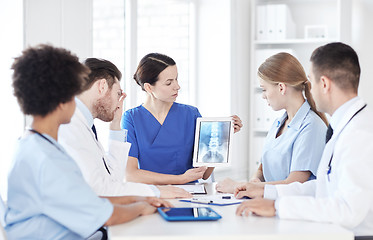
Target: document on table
x=193, y=188
x=221, y=200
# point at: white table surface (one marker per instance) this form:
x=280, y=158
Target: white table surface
x=228, y=227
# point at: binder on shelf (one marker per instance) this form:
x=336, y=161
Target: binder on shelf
x=258, y=114
x=271, y=21
x=285, y=27
x=261, y=22
x=274, y=22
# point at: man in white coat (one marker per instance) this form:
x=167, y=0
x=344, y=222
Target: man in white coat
x=102, y=98
x=343, y=191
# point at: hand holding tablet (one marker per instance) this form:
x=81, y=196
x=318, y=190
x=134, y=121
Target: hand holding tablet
x=212, y=143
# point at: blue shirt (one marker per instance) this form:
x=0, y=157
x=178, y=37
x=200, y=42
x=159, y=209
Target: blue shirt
x=166, y=148
x=47, y=195
x=299, y=148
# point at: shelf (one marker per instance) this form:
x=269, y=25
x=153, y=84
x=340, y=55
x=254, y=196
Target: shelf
x=297, y=28
x=260, y=133
x=260, y=130
x=296, y=41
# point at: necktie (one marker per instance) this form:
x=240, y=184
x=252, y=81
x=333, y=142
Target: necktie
x=103, y=159
x=329, y=134
x=94, y=131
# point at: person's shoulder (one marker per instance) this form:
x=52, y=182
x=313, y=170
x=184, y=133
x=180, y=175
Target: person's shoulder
x=35, y=152
x=363, y=120
x=186, y=108
x=133, y=111
x=314, y=121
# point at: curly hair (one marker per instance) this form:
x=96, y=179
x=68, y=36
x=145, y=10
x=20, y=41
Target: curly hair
x=45, y=76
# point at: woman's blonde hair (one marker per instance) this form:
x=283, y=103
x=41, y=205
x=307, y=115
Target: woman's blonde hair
x=284, y=67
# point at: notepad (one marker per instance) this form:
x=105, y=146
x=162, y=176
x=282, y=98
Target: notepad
x=193, y=188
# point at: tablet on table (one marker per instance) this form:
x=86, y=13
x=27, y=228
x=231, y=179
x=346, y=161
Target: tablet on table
x=189, y=214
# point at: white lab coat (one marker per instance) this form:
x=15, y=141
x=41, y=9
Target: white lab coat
x=79, y=141
x=345, y=197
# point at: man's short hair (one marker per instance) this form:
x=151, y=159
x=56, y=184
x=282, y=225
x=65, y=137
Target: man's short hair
x=339, y=62
x=44, y=77
x=101, y=68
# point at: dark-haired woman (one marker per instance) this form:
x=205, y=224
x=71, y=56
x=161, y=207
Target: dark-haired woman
x=160, y=130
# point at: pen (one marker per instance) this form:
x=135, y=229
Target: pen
x=226, y=197
x=201, y=201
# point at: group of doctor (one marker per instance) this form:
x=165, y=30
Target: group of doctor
x=57, y=198
x=300, y=175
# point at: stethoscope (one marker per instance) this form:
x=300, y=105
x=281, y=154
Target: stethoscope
x=44, y=137
x=48, y=140
x=329, y=168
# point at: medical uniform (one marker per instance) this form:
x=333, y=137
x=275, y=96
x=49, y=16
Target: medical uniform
x=47, y=195
x=343, y=194
x=80, y=142
x=299, y=148
x=166, y=148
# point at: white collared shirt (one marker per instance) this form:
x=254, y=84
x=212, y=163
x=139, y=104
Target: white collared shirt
x=79, y=141
x=345, y=195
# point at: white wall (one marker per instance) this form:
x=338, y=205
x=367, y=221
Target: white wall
x=63, y=23
x=11, y=121
x=240, y=84
x=362, y=42
x=223, y=43
x=213, y=57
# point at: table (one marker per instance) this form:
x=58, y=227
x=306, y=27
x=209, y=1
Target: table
x=154, y=227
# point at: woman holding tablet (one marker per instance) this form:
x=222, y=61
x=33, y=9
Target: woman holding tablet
x=160, y=130
x=295, y=142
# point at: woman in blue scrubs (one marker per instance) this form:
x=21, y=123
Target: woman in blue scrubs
x=295, y=142
x=160, y=130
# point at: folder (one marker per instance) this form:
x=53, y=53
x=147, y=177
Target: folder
x=285, y=27
x=271, y=22
x=261, y=22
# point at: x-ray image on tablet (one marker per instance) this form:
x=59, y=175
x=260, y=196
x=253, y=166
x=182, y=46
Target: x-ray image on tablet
x=212, y=142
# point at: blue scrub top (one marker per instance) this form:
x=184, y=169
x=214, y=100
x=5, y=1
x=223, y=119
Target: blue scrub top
x=47, y=195
x=166, y=148
x=297, y=149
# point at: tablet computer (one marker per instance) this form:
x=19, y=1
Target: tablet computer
x=212, y=142
x=188, y=214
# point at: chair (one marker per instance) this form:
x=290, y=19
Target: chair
x=2, y=221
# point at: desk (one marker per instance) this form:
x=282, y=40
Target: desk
x=234, y=227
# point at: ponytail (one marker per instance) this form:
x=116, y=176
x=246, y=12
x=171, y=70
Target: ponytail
x=307, y=92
